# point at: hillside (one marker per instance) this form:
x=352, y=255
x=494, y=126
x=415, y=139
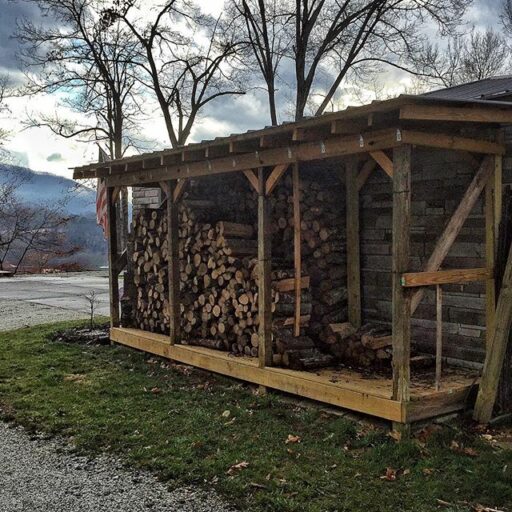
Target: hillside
x=79, y=202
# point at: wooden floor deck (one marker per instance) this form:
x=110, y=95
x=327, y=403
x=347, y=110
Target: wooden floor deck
x=340, y=387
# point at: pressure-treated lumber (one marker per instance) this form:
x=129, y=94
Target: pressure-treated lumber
x=496, y=349
x=455, y=276
x=297, y=258
x=384, y=162
x=173, y=264
x=113, y=272
x=401, y=299
x=368, y=167
x=452, y=229
x=264, y=268
x=353, y=247
x=275, y=176
x=460, y=114
x=253, y=179
x=288, y=285
x=439, y=336
x=443, y=141
x=493, y=200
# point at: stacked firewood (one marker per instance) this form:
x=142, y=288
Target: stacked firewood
x=369, y=346
x=323, y=243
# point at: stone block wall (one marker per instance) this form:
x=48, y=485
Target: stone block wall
x=143, y=197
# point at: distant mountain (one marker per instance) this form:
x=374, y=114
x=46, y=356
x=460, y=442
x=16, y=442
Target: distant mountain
x=78, y=202
x=42, y=187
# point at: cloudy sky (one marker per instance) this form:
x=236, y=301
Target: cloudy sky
x=40, y=150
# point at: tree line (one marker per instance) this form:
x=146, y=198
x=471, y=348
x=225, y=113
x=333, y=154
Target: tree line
x=118, y=64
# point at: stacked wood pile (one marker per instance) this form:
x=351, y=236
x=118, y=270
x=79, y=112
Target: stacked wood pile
x=369, y=346
x=323, y=242
x=218, y=286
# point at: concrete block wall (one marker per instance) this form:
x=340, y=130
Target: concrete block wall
x=143, y=197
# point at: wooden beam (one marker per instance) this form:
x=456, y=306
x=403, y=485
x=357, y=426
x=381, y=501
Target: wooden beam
x=243, y=146
x=439, y=336
x=253, y=179
x=454, y=276
x=297, y=257
x=274, y=178
x=459, y=114
x=493, y=199
x=179, y=189
x=121, y=262
x=288, y=285
x=345, y=126
x=496, y=350
x=264, y=269
x=443, y=141
x=173, y=263
x=368, y=167
x=328, y=148
x=401, y=298
x=452, y=229
x=384, y=162
x=353, y=244
x=164, y=185
x=115, y=194
x=113, y=274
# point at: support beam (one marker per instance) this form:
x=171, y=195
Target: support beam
x=439, y=336
x=368, y=167
x=274, y=178
x=173, y=264
x=384, y=162
x=179, y=189
x=460, y=114
x=452, y=229
x=493, y=199
x=496, y=350
x=264, y=268
x=164, y=185
x=297, y=257
x=400, y=250
x=443, y=141
x=353, y=248
x=113, y=256
x=253, y=179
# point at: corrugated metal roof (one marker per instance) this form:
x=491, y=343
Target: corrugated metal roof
x=489, y=88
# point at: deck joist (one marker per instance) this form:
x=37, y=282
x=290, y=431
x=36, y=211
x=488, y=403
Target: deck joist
x=345, y=388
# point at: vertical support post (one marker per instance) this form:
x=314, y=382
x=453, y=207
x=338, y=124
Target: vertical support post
x=353, y=249
x=493, y=200
x=112, y=257
x=297, y=247
x=439, y=335
x=264, y=268
x=173, y=269
x=401, y=249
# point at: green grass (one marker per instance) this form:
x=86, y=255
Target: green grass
x=102, y=399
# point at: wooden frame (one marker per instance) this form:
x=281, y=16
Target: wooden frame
x=364, y=138
x=113, y=255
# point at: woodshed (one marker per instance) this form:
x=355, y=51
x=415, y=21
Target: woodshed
x=349, y=258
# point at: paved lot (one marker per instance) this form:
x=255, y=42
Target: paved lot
x=31, y=300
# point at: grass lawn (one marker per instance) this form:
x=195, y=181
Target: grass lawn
x=196, y=428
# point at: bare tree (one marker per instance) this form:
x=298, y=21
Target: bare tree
x=464, y=58
x=93, y=301
x=185, y=58
x=328, y=41
x=4, y=133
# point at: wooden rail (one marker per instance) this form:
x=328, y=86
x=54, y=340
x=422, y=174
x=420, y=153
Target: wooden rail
x=455, y=276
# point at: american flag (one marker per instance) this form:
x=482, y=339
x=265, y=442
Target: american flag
x=101, y=197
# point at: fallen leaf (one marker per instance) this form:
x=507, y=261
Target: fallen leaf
x=258, y=486
x=470, y=451
x=427, y=471
x=226, y=414
x=406, y=471
x=394, y=434
x=156, y=390
x=292, y=439
x=237, y=467
x=390, y=475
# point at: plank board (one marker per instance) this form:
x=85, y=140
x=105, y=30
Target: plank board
x=455, y=276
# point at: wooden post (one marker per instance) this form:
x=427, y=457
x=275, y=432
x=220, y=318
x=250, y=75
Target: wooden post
x=401, y=247
x=264, y=268
x=297, y=247
x=493, y=199
x=173, y=264
x=496, y=350
x=353, y=250
x=439, y=335
x=113, y=273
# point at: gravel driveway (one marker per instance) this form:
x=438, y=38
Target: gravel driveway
x=36, y=475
